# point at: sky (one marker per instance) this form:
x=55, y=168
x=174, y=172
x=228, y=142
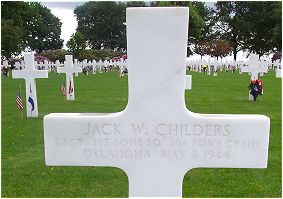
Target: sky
x=64, y=11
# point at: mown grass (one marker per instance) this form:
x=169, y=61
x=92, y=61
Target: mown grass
x=24, y=173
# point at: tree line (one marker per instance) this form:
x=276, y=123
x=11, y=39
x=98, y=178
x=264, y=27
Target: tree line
x=227, y=28
x=28, y=25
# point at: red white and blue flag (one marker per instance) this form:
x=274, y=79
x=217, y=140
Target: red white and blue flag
x=30, y=100
x=63, y=89
x=19, y=101
x=70, y=90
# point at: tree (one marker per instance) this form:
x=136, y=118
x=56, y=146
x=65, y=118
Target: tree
x=101, y=23
x=135, y=4
x=53, y=55
x=10, y=39
x=227, y=25
x=39, y=28
x=76, y=42
x=45, y=32
x=263, y=30
x=219, y=48
x=202, y=48
x=249, y=25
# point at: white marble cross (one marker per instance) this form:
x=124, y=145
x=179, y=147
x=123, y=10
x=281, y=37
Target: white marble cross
x=17, y=65
x=278, y=70
x=93, y=63
x=188, y=82
x=69, y=69
x=254, y=67
x=100, y=66
x=46, y=65
x=279, y=73
x=156, y=139
x=77, y=64
x=29, y=73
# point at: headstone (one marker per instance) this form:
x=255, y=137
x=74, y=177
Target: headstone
x=18, y=65
x=93, y=63
x=100, y=66
x=279, y=73
x=209, y=64
x=254, y=67
x=29, y=73
x=188, y=82
x=76, y=64
x=46, y=65
x=69, y=69
x=58, y=65
x=156, y=139
x=278, y=70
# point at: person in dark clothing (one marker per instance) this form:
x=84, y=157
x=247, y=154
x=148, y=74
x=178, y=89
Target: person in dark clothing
x=255, y=89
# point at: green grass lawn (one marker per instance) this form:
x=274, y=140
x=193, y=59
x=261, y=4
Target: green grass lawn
x=24, y=173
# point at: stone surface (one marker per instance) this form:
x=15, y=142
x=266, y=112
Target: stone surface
x=69, y=69
x=188, y=82
x=279, y=73
x=156, y=139
x=29, y=73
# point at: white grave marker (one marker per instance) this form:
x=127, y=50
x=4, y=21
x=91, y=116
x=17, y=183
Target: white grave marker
x=278, y=70
x=188, y=82
x=143, y=139
x=29, y=73
x=254, y=67
x=94, y=63
x=69, y=69
x=100, y=66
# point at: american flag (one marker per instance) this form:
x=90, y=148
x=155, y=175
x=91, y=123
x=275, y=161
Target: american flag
x=63, y=89
x=19, y=101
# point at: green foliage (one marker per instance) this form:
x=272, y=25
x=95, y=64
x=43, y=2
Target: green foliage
x=227, y=25
x=10, y=39
x=91, y=54
x=255, y=26
x=101, y=23
x=58, y=54
x=201, y=48
x=262, y=28
x=44, y=33
x=25, y=175
x=76, y=42
x=135, y=4
x=40, y=29
x=219, y=48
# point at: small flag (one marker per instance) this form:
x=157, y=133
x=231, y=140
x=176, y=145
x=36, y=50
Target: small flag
x=19, y=101
x=30, y=100
x=63, y=89
x=70, y=88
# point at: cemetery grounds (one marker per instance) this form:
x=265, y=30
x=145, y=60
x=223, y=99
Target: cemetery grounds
x=24, y=173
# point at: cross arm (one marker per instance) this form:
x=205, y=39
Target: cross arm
x=33, y=74
x=230, y=141
x=73, y=139
x=41, y=74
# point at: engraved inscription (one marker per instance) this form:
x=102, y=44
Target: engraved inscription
x=167, y=141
